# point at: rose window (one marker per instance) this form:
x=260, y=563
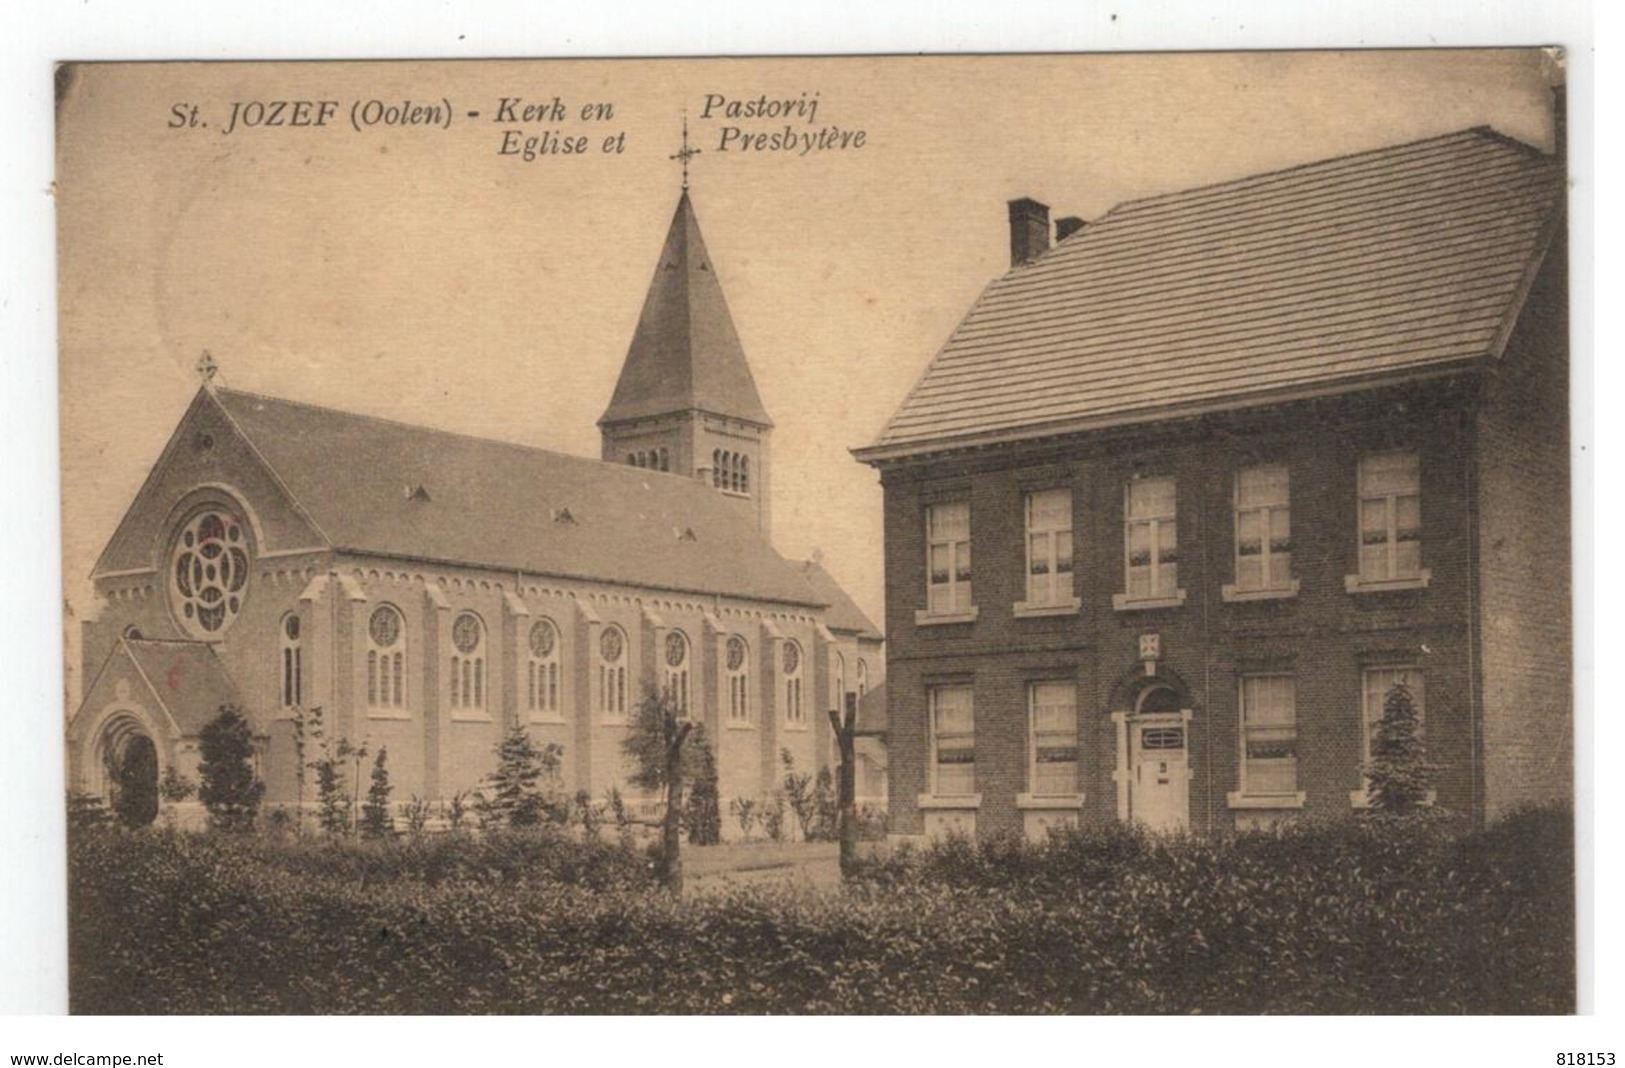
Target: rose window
x=210, y=573
x=792, y=658
x=465, y=634
x=736, y=653
x=542, y=639
x=676, y=650
x=610, y=646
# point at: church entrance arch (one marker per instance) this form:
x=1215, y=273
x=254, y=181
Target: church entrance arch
x=129, y=759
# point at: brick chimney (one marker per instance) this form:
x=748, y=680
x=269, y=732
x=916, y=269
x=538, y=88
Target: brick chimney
x=1029, y=230
x=1065, y=228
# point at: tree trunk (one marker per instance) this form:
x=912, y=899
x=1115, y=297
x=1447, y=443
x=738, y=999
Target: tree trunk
x=671, y=831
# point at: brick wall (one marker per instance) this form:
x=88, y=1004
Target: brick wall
x=1324, y=636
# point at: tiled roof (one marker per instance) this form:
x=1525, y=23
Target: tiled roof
x=187, y=677
x=843, y=613
x=1321, y=276
x=685, y=353
x=498, y=505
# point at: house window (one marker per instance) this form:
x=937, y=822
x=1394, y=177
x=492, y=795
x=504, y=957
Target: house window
x=208, y=575
x=1150, y=540
x=1263, y=528
x=1269, y=736
x=953, y=741
x=612, y=674
x=677, y=669
x=738, y=665
x=1377, y=684
x=794, y=715
x=948, y=534
x=293, y=668
x=1390, y=517
x=468, y=662
x=1049, y=547
x=1053, y=748
x=386, y=658
x=542, y=669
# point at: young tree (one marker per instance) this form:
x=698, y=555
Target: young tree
x=517, y=794
x=376, y=821
x=229, y=789
x=663, y=746
x=1398, y=775
x=703, y=812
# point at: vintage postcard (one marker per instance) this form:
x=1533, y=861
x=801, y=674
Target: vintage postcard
x=985, y=534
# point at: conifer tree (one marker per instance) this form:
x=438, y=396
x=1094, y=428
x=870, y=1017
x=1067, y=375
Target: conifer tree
x=376, y=821
x=1398, y=775
x=229, y=789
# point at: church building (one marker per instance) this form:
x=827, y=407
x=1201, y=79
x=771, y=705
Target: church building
x=428, y=590
x=1235, y=466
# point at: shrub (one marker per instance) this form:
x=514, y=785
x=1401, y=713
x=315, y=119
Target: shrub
x=175, y=787
x=744, y=810
x=229, y=789
x=702, y=815
x=1398, y=774
x=523, y=790
x=376, y=821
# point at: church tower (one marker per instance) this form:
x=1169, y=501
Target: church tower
x=686, y=401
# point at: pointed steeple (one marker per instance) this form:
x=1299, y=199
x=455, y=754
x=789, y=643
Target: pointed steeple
x=685, y=355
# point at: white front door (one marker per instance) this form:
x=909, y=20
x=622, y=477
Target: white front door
x=1159, y=774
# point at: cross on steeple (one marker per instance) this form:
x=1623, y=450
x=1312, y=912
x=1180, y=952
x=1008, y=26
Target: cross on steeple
x=207, y=368
x=685, y=153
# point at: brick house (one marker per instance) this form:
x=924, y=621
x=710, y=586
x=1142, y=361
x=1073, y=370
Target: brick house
x=429, y=590
x=1231, y=463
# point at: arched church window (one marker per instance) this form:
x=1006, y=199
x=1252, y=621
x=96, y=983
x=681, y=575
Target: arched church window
x=716, y=468
x=839, y=700
x=744, y=474
x=632, y=459
x=794, y=714
x=863, y=679
x=208, y=574
x=676, y=669
x=612, y=674
x=386, y=658
x=543, y=668
x=468, y=662
x=292, y=662
x=738, y=664
x=665, y=460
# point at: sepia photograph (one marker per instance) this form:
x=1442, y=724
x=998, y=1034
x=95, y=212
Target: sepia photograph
x=1076, y=534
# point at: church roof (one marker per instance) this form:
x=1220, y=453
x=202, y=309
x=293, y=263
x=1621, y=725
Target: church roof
x=187, y=679
x=843, y=613
x=376, y=486
x=685, y=353
x=1319, y=278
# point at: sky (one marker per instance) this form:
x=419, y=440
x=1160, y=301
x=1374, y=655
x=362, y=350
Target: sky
x=422, y=274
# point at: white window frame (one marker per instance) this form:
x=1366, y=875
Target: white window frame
x=387, y=668
x=467, y=689
x=739, y=703
x=676, y=676
x=795, y=712
x=1053, y=593
x=1156, y=596
x=936, y=697
x=545, y=675
x=1250, y=795
x=290, y=662
x=1266, y=512
x=1390, y=577
x=957, y=604
x=611, y=676
x=1035, y=739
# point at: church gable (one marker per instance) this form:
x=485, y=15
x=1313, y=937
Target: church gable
x=207, y=461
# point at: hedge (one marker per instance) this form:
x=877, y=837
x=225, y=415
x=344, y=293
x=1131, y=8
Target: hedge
x=1361, y=916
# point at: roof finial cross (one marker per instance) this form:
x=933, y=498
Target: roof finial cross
x=207, y=368
x=685, y=153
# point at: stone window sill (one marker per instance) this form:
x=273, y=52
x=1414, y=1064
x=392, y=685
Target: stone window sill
x=387, y=713
x=961, y=801
x=546, y=718
x=1236, y=799
x=923, y=618
x=795, y=727
x=1230, y=592
x=741, y=725
x=1121, y=602
x=471, y=716
x=1037, y=609
x=1356, y=584
x=1030, y=802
